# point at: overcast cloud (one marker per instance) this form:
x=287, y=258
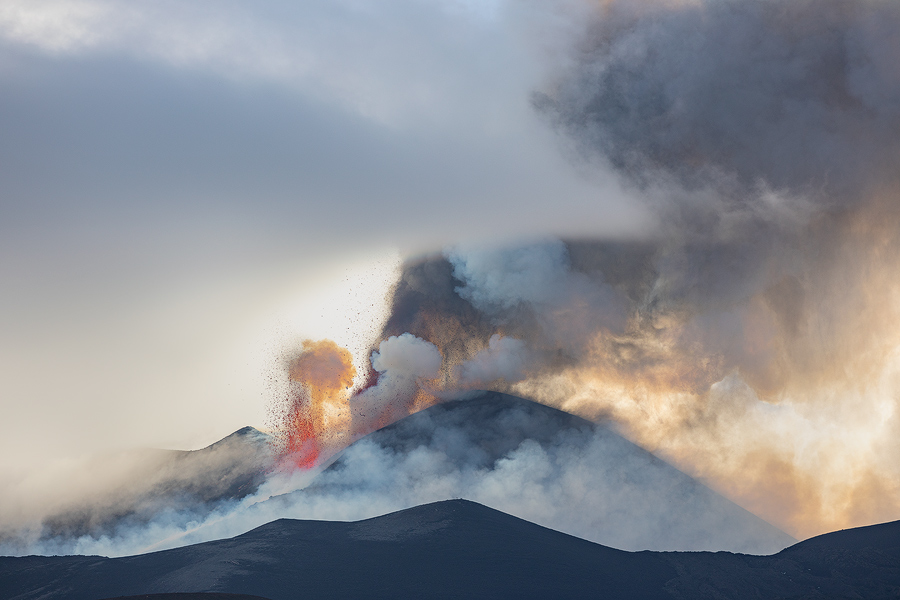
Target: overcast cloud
x=188, y=186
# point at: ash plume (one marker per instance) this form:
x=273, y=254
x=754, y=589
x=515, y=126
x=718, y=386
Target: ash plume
x=752, y=339
x=796, y=96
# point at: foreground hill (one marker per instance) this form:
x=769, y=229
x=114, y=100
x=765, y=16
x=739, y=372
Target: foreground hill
x=540, y=464
x=460, y=549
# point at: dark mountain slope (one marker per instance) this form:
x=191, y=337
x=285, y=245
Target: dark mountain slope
x=198, y=480
x=883, y=537
x=855, y=563
x=452, y=549
x=460, y=549
x=482, y=429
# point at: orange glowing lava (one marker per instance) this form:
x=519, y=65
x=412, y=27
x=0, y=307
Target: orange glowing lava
x=321, y=378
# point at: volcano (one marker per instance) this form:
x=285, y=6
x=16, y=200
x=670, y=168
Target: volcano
x=538, y=463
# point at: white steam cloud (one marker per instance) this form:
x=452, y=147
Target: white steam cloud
x=404, y=364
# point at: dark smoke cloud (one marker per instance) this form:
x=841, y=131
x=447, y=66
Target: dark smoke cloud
x=794, y=95
x=766, y=135
x=753, y=339
x=752, y=127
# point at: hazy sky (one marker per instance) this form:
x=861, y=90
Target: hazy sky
x=188, y=187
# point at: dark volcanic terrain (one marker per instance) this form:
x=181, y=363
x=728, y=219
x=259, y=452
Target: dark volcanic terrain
x=460, y=549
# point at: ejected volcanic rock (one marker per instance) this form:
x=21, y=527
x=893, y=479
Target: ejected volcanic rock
x=460, y=549
x=540, y=464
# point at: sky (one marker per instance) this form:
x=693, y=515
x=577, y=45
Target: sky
x=679, y=217
x=189, y=188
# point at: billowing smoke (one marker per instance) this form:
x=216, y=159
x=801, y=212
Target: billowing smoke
x=504, y=359
x=796, y=97
x=405, y=365
x=753, y=340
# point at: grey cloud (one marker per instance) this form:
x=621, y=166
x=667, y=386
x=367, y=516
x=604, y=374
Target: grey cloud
x=174, y=151
x=534, y=283
x=500, y=279
x=798, y=96
x=504, y=358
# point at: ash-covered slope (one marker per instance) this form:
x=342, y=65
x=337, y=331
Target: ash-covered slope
x=540, y=464
x=460, y=549
x=185, y=485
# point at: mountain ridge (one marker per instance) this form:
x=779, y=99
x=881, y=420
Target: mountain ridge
x=461, y=549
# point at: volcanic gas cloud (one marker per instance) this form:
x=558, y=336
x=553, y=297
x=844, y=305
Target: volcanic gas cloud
x=754, y=338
